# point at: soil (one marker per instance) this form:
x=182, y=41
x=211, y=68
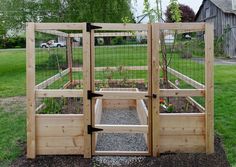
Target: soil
x=180, y=104
x=218, y=159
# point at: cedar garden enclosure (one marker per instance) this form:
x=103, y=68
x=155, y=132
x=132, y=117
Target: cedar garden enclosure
x=161, y=74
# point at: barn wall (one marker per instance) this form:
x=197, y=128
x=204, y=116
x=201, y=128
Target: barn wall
x=221, y=20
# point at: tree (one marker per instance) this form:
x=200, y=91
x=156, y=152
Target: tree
x=175, y=15
x=187, y=14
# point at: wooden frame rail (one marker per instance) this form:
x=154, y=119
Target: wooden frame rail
x=186, y=79
x=52, y=79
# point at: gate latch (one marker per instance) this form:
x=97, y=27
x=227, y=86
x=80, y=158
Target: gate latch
x=90, y=27
x=152, y=96
x=92, y=129
x=90, y=95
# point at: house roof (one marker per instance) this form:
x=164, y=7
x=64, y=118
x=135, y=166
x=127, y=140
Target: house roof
x=224, y=5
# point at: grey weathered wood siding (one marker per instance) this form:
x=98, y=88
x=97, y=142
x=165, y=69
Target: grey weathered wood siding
x=221, y=20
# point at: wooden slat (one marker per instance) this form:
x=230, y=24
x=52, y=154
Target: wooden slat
x=182, y=120
x=182, y=26
x=120, y=26
x=182, y=144
x=30, y=85
x=142, y=112
x=181, y=92
x=58, y=93
x=54, y=32
x=186, y=79
x=122, y=128
x=155, y=90
x=189, y=99
x=121, y=95
x=148, y=137
x=51, y=142
x=52, y=79
x=122, y=153
x=131, y=68
x=69, y=57
x=112, y=34
x=209, y=79
x=54, y=125
x=40, y=107
x=98, y=111
x=60, y=151
x=87, y=86
x=60, y=119
x=60, y=26
x=67, y=84
x=117, y=103
x=114, y=81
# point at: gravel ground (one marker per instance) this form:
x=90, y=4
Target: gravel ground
x=117, y=141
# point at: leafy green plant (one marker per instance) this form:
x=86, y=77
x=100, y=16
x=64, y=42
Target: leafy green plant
x=220, y=43
x=55, y=60
x=52, y=105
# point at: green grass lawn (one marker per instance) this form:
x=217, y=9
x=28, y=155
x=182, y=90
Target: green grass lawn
x=12, y=83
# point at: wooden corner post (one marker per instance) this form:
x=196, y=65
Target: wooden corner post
x=209, y=81
x=30, y=89
x=69, y=57
x=86, y=87
x=155, y=90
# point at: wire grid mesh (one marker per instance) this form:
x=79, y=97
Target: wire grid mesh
x=121, y=60
x=183, y=52
x=182, y=55
x=50, y=61
x=59, y=105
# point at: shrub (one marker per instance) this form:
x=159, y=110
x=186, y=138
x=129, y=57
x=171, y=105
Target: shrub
x=56, y=59
x=117, y=41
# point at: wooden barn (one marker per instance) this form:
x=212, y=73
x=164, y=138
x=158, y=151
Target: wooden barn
x=223, y=14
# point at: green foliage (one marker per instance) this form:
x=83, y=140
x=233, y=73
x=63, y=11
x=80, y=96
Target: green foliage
x=53, y=105
x=56, y=60
x=175, y=11
x=13, y=134
x=12, y=42
x=220, y=42
x=117, y=41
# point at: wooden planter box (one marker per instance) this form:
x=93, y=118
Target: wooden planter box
x=179, y=132
x=59, y=134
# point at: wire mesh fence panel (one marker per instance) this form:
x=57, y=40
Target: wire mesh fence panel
x=59, y=105
x=182, y=57
x=121, y=60
x=182, y=64
x=50, y=61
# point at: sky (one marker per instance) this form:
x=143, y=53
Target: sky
x=138, y=5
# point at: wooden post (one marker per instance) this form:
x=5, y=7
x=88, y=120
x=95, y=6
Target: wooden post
x=30, y=89
x=92, y=69
x=149, y=55
x=86, y=87
x=209, y=81
x=69, y=57
x=155, y=90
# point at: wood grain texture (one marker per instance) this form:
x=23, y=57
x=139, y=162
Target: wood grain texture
x=30, y=89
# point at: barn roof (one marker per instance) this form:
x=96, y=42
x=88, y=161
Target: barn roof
x=224, y=5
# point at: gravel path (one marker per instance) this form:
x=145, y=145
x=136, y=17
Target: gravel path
x=117, y=141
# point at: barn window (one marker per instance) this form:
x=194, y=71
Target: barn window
x=208, y=12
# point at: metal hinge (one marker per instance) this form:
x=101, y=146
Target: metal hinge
x=92, y=129
x=90, y=27
x=90, y=95
x=152, y=96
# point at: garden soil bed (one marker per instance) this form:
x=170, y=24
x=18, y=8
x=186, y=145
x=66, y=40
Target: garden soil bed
x=218, y=159
x=75, y=105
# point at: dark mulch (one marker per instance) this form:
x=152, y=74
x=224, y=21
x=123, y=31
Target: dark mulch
x=218, y=159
